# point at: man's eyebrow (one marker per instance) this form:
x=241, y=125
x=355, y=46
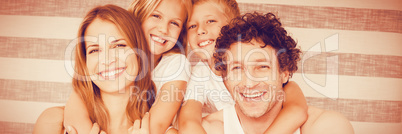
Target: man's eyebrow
x=263, y=60
x=234, y=62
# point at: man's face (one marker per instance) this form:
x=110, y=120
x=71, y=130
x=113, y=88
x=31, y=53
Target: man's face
x=253, y=77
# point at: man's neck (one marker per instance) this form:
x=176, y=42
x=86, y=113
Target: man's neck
x=258, y=125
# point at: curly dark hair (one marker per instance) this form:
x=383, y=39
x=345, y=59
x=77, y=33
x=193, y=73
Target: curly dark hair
x=266, y=28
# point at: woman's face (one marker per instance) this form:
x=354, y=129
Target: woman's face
x=162, y=28
x=111, y=63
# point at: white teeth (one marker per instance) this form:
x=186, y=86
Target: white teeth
x=158, y=39
x=253, y=95
x=111, y=73
x=204, y=43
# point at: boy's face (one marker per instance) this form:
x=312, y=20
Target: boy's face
x=204, y=27
x=253, y=77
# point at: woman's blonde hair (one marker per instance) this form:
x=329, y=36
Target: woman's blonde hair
x=142, y=9
x=90, y=93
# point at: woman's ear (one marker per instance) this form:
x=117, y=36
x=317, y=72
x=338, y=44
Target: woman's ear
x=285, y=76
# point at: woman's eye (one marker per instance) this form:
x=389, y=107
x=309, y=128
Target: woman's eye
x=210, y=21
x=120, y=45
x=192, y=26
x=93, y=51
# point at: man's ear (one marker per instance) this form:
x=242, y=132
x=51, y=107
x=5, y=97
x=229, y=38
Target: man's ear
x=285, y=76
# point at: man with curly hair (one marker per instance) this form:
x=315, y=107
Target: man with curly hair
x=257, y=58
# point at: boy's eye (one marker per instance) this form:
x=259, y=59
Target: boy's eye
x=210, y=21
x=191, y=27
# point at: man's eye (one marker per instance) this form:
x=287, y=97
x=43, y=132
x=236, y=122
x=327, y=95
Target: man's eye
x=236, y=68
x=264, y=67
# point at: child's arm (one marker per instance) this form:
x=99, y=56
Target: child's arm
x=167, y=104
x=190, y=118
x=293, y=114
x=76, y=114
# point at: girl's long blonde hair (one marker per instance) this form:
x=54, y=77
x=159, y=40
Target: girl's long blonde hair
x=139, y=103
x=142, y=9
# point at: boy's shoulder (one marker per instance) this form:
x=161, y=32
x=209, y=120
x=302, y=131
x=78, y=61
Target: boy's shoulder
x=213, y=123
x=326, y=121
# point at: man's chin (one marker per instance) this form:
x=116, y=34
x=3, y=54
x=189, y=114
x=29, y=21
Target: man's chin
x=253, y=112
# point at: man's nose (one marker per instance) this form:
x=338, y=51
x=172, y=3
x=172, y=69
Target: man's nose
x=248, y=79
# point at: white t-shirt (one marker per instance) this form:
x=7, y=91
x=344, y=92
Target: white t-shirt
x=171, y=68
x=231, y=122
x=208, y=88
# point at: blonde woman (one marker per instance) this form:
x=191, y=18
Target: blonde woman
x=112, y=74
x=162, y=22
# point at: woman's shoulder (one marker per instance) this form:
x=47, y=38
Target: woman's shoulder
x=50, y=121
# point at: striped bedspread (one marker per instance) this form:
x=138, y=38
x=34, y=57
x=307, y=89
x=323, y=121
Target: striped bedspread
x=352, y=56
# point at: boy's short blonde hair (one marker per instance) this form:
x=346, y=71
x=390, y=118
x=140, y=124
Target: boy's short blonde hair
x=228, y=7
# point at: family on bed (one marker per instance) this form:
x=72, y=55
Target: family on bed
x=132, y=74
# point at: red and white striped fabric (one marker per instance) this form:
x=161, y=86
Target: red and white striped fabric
x=35, y=34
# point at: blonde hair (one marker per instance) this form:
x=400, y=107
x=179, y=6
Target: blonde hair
x=89, y=92
x=229, y=7
x=142, y=9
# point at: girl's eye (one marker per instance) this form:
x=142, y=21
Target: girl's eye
x=156, y=16
x=93, y=51
x=191, y=27
x=210, y=21
x=175, y=23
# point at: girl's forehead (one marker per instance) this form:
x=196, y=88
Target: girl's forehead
x=172, y=8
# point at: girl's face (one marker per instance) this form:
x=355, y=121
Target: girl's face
x=204, y=27
x=162, y=28
x=111, y=63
